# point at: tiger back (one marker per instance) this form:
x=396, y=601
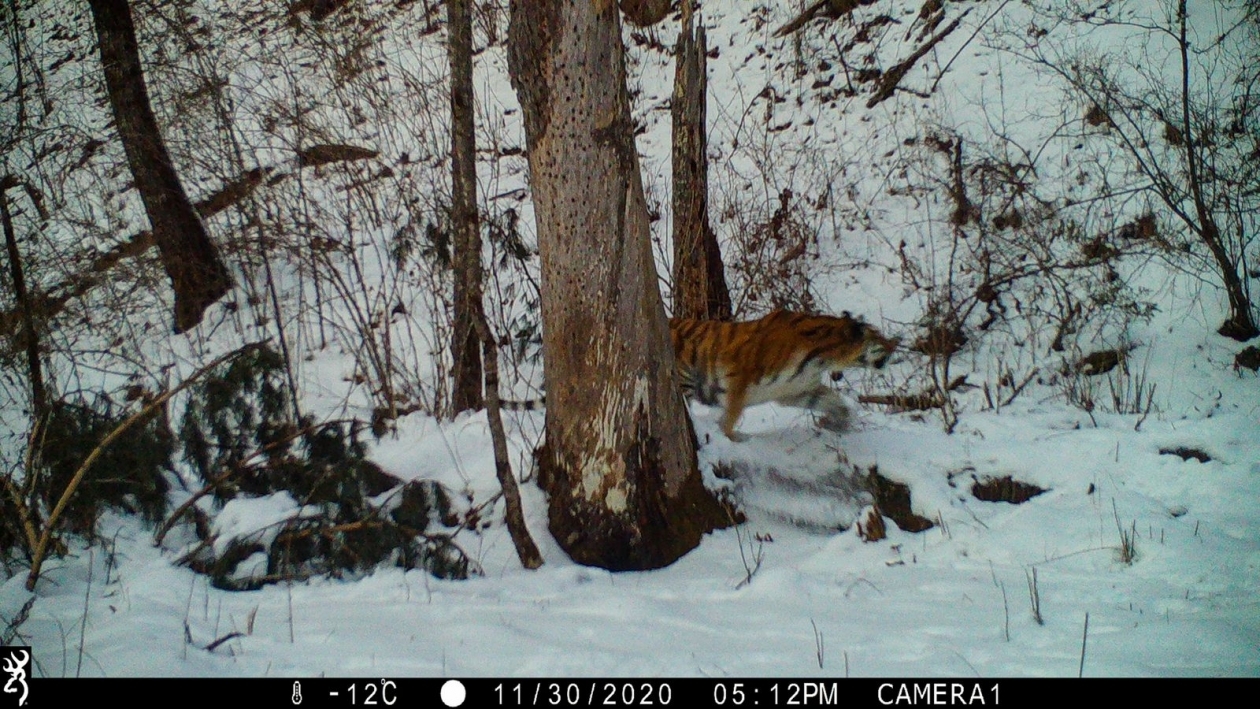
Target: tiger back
x=780, y=357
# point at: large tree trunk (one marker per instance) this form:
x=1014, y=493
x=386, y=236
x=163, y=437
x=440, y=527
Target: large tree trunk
x=466, y=254
x=700, y=290
x=619, y=462
x=190, y=258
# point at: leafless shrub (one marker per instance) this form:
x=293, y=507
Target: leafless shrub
x=1184, y=142
x=774, y=199
x=771, y=256
x=751, y=552
x=1019, y=275
x=1108, y=381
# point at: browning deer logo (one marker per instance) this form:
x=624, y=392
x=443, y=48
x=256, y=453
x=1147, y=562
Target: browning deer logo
x=15, y=661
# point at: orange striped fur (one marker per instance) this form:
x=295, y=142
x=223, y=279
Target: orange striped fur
x=780, y=358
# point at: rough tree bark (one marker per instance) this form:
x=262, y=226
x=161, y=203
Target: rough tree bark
x=198, y=275
x=619, y=463
x=466, y=247
x=700, y=290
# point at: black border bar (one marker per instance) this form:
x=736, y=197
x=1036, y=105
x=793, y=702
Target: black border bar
x=731, y=693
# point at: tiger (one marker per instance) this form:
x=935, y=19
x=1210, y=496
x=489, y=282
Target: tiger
x=780, y=357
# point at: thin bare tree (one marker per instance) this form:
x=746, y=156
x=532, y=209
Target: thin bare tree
x=466, y=249
x=197, y=272
x=700, y=290
x=29, y=338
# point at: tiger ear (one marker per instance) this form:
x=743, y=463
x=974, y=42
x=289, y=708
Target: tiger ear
x=857, y=329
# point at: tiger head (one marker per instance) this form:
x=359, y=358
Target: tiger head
x=849, y=342
x=876, y=349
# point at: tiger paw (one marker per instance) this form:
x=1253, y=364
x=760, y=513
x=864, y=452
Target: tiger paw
x=839, y=422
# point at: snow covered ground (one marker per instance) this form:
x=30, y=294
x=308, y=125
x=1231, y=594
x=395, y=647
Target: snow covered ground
x=951, y=601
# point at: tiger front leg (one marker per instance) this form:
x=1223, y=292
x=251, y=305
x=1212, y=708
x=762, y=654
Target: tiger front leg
x=835, y=415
